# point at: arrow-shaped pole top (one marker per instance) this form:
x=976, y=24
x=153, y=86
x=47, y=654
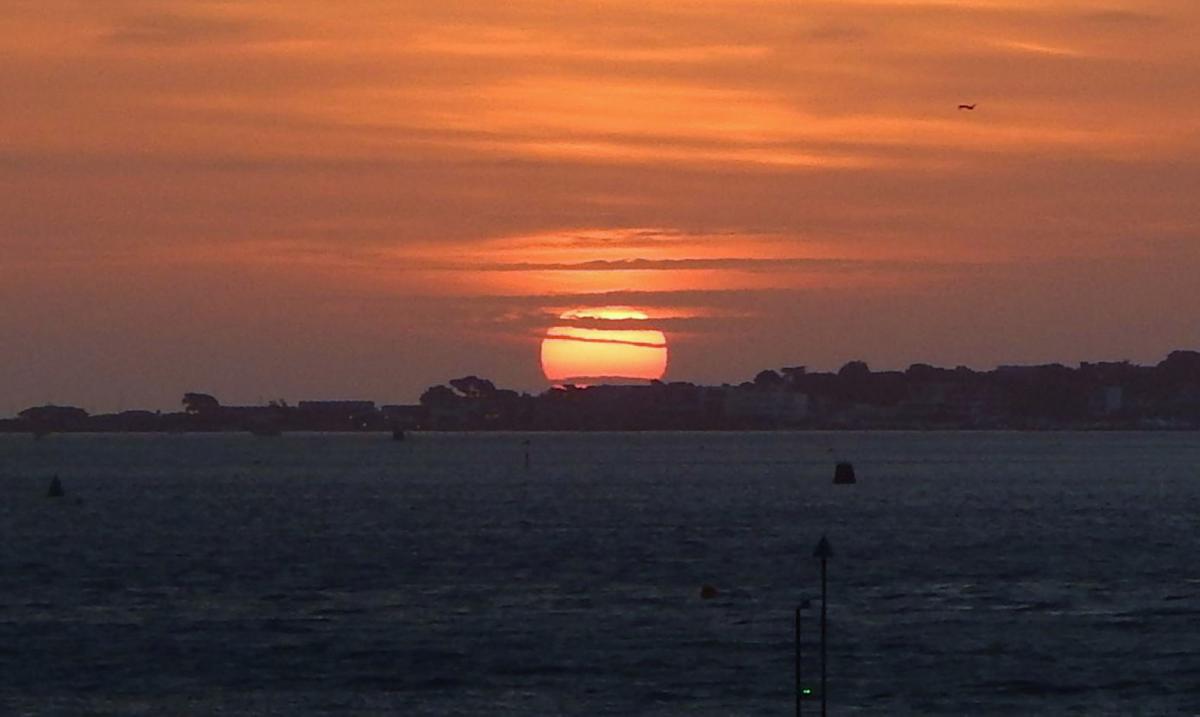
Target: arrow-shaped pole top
x=823, y=550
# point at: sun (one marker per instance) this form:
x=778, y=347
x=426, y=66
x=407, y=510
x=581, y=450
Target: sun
x=603, y=344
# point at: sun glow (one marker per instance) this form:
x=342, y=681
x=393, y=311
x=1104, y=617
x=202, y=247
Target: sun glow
x=586, y=351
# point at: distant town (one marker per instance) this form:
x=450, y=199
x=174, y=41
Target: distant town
x=1094, y=396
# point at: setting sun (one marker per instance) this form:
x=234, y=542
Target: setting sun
x=585, y=349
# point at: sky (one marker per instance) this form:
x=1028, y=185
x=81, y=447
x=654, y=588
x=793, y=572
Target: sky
x=300, y=199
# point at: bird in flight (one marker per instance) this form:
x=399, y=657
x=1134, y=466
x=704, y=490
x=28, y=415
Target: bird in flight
x=966, y=107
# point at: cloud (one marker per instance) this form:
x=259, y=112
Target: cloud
x=721, y=264
x=1038, y=48
x=178, y=30
x=601, y=340
x=1123, y=17
x=457, y=171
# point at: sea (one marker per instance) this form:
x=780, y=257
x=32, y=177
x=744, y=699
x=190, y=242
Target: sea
x=972, y=573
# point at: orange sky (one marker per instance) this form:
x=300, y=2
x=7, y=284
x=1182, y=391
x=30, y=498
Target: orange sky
x=304, y=199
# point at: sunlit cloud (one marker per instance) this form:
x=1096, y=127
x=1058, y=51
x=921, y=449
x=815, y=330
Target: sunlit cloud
x=1037, y=48
x=502, y=42
x=168, y=29
x=442, y=179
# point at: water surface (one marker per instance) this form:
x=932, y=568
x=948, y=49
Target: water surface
x=974, y=573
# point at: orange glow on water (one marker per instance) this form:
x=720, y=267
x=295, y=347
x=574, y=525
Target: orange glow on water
x=576, y=353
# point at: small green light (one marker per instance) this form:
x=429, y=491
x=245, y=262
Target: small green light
x=806, y=691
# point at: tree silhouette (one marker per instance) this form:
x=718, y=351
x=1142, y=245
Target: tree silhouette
x=473, y=386
x=438, y=396
x=768, y=379
x=200, y=403
x=854, y=370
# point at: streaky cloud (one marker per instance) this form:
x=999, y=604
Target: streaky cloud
x=598, y=340
x=168, y=29
x=729, y=264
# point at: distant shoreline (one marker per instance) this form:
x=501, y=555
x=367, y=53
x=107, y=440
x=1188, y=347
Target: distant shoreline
x=1111, y=396
x=560, y=431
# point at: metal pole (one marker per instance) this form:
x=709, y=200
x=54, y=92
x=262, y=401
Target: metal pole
x=824, y=675
x=799, y=662
x=824, y=551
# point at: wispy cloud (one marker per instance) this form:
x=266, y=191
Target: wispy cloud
x=170, y=29
x=1123, y=17
x=799, y=176
x=1038, y=48
x=723, y=264
x=602, y=340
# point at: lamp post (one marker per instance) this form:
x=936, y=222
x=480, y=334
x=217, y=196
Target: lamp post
x=800, y=690
x=823, y=551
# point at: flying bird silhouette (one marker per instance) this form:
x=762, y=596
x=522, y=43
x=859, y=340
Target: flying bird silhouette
x=966, y=107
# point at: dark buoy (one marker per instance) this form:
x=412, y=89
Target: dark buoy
x=708, y=592
x=843, y=474
x=56, y=489
x=398, y=434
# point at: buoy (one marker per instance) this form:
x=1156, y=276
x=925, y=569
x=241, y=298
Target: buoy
x=708, y=592
x=844, y=474
x=56, y=489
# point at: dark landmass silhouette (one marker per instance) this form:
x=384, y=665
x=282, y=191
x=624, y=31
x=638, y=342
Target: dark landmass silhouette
x=1094, y=396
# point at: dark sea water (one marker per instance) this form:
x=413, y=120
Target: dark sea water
x=974, y=574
